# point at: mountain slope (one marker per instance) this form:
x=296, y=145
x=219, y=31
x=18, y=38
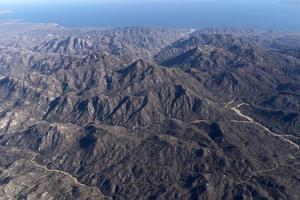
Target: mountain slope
x=147, y=113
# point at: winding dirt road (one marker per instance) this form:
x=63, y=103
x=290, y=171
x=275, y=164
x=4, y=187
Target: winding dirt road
x=236, y=109
x=66, y=174
x=32, y=160
x=250, y=120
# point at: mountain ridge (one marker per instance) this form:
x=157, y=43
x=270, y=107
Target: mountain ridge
x=148, y=113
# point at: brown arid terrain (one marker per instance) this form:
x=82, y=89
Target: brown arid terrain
x=148, y=113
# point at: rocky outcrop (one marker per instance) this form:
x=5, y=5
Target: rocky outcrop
x=143, y=113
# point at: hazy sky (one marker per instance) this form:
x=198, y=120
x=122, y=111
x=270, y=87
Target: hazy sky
x=262, y=14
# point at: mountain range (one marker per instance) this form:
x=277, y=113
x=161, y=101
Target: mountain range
x=148, y=113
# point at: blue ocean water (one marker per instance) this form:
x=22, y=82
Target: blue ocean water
x=264, y=14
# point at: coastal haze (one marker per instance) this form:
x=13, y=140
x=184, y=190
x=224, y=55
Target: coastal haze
x=265, y=15
x=107, y=105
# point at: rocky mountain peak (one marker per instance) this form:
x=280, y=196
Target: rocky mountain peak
x=148, y=113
